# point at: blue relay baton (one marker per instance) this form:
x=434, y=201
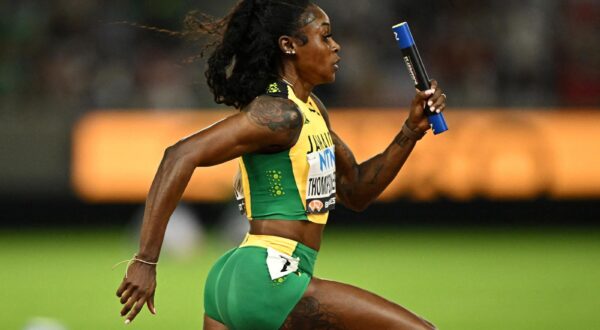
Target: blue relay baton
x=417, y=72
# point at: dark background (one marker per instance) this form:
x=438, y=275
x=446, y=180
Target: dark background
x=61, y=59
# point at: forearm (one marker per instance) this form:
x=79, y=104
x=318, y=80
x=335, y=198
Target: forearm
x=166, y=190
x=370, y=178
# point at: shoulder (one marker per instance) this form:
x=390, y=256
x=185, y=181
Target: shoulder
x=276, y=113
x=322, y=108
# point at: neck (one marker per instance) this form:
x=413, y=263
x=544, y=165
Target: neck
x=301, y=88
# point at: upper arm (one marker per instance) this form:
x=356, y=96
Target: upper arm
x=345, y=161
x=267, y=124
x=347, y=170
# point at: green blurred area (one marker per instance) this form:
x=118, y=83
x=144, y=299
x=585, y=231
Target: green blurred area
x=471, y=279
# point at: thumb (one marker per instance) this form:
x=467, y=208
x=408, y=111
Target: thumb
x=418, y=103
x=150, y=304
x=421, y=96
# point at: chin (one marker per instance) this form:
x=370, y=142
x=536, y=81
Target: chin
x=326, y=79
x=331, y=79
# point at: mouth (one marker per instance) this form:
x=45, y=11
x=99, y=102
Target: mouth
x=336, y=65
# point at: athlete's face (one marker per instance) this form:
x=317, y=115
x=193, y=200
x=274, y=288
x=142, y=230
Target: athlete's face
x=317, y=59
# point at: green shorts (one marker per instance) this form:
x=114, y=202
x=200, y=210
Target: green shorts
x=240, y=291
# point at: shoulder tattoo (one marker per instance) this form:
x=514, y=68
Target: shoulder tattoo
x=276, y=115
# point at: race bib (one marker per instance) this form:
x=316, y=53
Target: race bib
x=238, y=188
x=280, y=264
x=320, y=184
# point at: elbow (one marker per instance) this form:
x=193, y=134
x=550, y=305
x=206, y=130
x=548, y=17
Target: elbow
x=357, y=205
x=172, y=153
x=353, y=199
x=177, y=154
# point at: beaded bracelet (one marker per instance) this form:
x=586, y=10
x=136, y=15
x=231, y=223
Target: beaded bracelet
x=131, y=261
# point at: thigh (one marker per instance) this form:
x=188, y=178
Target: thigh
x=334, y=305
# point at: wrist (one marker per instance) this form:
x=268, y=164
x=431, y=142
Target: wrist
x=136, y=259
x=412, y=131
x=146, y=257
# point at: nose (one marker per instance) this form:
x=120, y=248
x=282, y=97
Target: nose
x=335, y=47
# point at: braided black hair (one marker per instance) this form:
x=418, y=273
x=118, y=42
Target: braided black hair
x=247, y=58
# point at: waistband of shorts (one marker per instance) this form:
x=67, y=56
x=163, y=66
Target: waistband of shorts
x=307, y=256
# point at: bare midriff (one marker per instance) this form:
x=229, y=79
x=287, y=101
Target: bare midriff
x=302, y=231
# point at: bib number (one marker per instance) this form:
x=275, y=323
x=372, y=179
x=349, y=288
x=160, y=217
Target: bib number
x=320, y=184
x=280, y=264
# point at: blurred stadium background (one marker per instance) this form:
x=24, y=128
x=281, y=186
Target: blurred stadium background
x=492, y=225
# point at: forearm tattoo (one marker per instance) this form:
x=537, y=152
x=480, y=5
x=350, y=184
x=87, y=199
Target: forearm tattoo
x=310, y=314
x=360, y=184
x=276, y=117
x=401, y=139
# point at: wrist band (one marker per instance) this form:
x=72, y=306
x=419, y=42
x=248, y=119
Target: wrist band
x=409, y=133
x=131, y=261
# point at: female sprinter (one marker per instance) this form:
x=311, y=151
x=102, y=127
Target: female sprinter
x=293, y=169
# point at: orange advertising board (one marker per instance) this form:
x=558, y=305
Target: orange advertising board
x=493, y=153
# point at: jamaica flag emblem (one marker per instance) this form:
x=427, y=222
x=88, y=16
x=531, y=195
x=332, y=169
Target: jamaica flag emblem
x=277, y=89
x=273, y=88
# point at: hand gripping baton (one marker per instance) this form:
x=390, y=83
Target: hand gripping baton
x=417, y=72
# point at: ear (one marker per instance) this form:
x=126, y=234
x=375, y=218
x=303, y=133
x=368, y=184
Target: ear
x=287, y=45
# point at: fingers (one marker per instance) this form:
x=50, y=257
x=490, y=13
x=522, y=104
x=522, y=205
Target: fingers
x=439, y=107
x=128, y=304
x=433, y=83
x=127, y=294
x=134, y=300
x=136, y=309
x=122, y=288
x=437, y=101
x=422, y=96
x=427, y=94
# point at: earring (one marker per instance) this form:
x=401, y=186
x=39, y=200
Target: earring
x=290, y=52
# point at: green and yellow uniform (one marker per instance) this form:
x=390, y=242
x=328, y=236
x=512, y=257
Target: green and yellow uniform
x=256, y=285
x=294, y=184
